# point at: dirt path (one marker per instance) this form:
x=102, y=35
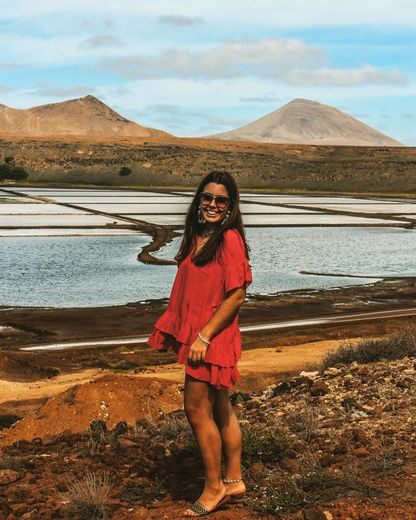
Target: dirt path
x=17, y=391
x=258, y=368
x=263, y=366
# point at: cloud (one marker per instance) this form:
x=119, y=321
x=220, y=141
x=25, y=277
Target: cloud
x=100, y=41
x=180, y=20
x=53, y=90
x=174, y=110
x=408, y=115
x=268, y=97
x=231, y=59
x=9, y=66
x=263, y=13
x=366, y=75
x=286, y=60
x=5, y=89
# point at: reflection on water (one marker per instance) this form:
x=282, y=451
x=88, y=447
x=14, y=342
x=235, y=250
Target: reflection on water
x=95, y=271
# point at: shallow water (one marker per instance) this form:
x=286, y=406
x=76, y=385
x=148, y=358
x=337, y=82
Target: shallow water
x=96, y=271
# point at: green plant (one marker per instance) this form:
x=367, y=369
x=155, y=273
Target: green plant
x=8, y=170
x=7, y=420
x=88, y=496
x=263, y=443
x=281, y=492
x=124, y=171
x=304, y=422
x=151, y=492
x=17, y=463
x=394, y=346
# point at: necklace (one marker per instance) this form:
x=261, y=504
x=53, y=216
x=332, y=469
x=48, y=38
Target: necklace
x=204, y=233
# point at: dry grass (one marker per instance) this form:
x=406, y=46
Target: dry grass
x=394, y=346
x=88, y=496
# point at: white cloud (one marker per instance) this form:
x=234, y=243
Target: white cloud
x=57, y=91
x=268, y=97
x=231, y=59
x=270, y=13
x=365, y=75
x=180, y=20
x=100, y=41
x=5, y=89
x=289, y=61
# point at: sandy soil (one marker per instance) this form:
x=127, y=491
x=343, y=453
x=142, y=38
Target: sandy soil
x=19, y=391
x=261, y=367
x=258, y=368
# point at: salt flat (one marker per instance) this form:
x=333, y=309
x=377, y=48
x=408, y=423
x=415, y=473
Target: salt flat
x=25, y=221
x=305, y=200
x=56, y=232
x=390, y=208
x=116, y=199
x=29, y=208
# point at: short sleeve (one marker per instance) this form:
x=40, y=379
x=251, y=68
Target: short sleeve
x=236, y=268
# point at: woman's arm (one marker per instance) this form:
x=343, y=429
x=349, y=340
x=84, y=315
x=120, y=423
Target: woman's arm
x=225, y=312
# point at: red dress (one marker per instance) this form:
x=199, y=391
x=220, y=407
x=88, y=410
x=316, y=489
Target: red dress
x=196, y=294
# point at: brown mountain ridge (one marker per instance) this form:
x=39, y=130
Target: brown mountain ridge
x=86, y=116
x=302, y=121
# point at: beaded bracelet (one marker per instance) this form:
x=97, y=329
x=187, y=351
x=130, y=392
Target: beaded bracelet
x=204, y=341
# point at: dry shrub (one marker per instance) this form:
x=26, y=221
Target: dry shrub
x=394, y=346
x=263, y=443
x=88, y=496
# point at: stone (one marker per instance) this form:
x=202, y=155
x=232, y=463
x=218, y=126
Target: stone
x=314, y=514
x=7, y=476
x=361, y=452
x=126, y=443
x=319, y=388
x=359, y=435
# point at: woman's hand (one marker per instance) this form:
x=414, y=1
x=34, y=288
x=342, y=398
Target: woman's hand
x=197, y=351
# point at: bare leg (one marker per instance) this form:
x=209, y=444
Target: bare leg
x=199, y=400
x=230, y=432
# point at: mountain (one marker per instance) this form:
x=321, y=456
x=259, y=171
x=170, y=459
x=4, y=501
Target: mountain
x=86, y=116
x=302, y=121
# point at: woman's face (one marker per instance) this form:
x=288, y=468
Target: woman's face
x=214, y=202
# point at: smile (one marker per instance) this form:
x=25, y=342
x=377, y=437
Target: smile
x=212, y=213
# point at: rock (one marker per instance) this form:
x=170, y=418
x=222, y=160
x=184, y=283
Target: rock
x=361, y=452
x=7, y=476
x=332, y=372
x=290, y=465
x=126, y=443
x=319, y=388
x=299, y=381
x=359, y=435
x=314, y=514
x=282, y=388
x=309, y=375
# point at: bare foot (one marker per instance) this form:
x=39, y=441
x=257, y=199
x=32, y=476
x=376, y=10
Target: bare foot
x=210, y=499
x=236, y=488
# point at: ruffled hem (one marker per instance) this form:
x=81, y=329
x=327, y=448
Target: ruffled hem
x=219, y=374
x=173, y=334
x=175, y=326
x=221, y=355
x=221, y=378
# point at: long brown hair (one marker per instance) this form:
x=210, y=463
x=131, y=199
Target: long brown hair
x=193, y=227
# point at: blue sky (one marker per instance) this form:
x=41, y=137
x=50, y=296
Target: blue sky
x=196, y=68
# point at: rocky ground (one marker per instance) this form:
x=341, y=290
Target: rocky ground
x=183, y=161
x=335, y=444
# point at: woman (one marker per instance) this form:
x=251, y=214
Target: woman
x=201, y=325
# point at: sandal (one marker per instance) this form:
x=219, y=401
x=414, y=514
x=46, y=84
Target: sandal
x=200, y=510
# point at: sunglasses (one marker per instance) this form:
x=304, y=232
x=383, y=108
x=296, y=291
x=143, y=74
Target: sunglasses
x=221, y=200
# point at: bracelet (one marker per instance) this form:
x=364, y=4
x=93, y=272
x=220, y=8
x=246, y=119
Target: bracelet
x=204, y=340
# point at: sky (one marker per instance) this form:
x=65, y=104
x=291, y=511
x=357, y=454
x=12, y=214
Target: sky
x=196, y=68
